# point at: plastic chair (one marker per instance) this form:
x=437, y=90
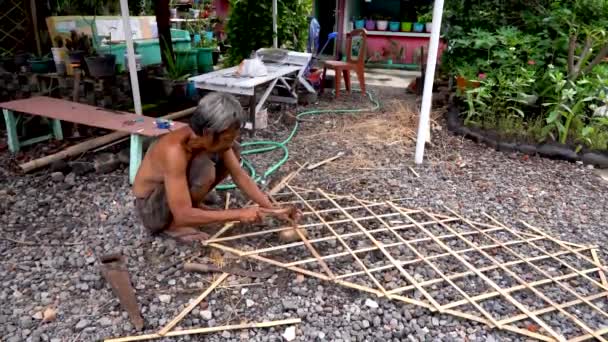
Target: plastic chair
x=356, y=43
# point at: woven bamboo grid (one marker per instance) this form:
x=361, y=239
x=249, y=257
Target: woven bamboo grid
x=519, y=280
x=14, y=25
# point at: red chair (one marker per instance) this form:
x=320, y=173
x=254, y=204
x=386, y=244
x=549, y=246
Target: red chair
x=356, y=48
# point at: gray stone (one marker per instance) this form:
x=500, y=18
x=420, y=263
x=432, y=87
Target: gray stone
x=365, y=324
x=106, y=162
x=83, y=323
x=26, y=322
x=124, y=156
x=57, y=176
x=105, y=322
x=289, y=304
x=70, y=179
x=206, y=314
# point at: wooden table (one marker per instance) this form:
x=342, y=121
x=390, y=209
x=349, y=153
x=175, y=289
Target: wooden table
x=227, y=80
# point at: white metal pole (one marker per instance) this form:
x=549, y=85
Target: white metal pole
x=427, y=95
x=275, y=38
x=136, y=140
x=126, y=23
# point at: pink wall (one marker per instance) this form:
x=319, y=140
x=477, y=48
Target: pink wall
x=411, y=44
x=222, y=8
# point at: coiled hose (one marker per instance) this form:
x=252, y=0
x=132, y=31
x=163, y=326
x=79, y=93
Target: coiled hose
x=264, y=146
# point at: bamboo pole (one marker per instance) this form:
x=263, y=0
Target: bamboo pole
x=344, y=244
x=496, y=287
x=208, y=330
x=89, y=144
x=600, y=272
x=192, y=305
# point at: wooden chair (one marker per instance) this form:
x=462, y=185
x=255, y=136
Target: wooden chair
x=356, y=43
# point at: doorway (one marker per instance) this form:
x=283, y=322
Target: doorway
x=326, y=15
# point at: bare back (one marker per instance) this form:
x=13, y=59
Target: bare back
x=154, y=166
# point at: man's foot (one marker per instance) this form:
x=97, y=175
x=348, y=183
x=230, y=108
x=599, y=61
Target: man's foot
x=186, y=235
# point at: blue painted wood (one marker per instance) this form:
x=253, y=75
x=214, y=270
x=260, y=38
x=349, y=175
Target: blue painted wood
x=57, y=131
x=135, y=156
x=11, y=130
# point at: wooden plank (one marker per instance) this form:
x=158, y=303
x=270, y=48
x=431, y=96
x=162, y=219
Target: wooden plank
x=208, y=330
x=192, y=305
x=88, y=115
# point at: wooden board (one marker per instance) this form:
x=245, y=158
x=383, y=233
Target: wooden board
x=88, y=115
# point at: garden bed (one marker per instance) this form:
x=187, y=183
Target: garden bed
x=523, y=144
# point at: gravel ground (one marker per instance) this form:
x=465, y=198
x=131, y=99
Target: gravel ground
x=55, y=226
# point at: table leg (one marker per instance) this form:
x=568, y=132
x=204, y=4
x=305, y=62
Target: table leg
x=57, y=131
x=252, y=106
x=135, y=156
x=11, y=130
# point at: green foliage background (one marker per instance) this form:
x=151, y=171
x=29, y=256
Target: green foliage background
x=250, y=26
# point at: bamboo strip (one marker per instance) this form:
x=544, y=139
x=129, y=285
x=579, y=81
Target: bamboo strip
x=278, y=187
x=551, y=308
x=329, y=238
x=602, y=331
x=192, y=305
x=538, y=269
x=559, y=242
x=599, y=265
x=484, y=277
x=380, y=246
x=437, y=270
x=516, y=288
x=600, y=272
x=344, y=244
x=208, y=330
x=270, y=261
x=520, y=306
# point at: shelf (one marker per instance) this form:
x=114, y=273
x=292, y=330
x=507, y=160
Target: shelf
x=399, y=34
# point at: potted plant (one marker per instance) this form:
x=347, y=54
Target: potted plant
x=381, y=23
x=60, y=54
x=204, y=55
x=40, y=64
x=196, y=10
x=406, y=24
x=370, y=24
x=101, y=65
x=359, y=23
x=78, y=46
x=176, y=77
x=173, y=9
x=393, y=26
x=427, y=19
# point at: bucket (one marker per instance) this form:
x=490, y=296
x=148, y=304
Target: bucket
x=101, y=66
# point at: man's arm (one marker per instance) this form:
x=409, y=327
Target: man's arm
x=243, y=181
x=180, y=202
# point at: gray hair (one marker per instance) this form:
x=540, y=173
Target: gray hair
x=217, y=112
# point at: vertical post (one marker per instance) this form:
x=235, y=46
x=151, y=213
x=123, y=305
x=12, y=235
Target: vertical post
x=57, y=131
x=11, y=130
x=427, y=95
x=33, y=9
x=136, y=140
x=275, y=32
x=161, y=10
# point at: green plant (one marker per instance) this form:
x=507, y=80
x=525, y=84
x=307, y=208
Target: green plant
x=425, y=17
x=174, y=69
x=250, y=26
x=394, y=52
x=206, y=43
x=80, y=42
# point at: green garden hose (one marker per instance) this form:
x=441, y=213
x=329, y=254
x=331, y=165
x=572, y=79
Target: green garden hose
x=263, y=146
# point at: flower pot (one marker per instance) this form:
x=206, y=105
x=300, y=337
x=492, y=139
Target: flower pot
x=429, y=27
x=406, y=27
x=195, y=13
x=40, y=65
x=382, y=25
x=173, y=12
x=196, y=38
x=204, y=59
x=186, y=59
x=101, y=66
x=359, y=24
x=370, y=25
x=418, y=27
x=393, y=26
x=209, y=35
x=174, y=88
x=76, y=56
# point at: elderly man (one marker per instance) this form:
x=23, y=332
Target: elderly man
x=180, y=170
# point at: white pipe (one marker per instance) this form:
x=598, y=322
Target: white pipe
x=275, y=38
x=427, y=95
x=126, y=23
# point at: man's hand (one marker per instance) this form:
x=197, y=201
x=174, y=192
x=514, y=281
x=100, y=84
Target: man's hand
x=250, y=215
x=289, y=213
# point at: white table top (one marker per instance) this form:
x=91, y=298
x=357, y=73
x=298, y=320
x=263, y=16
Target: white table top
x=226, y=80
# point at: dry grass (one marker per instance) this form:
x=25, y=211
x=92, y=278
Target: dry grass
x=394, y=126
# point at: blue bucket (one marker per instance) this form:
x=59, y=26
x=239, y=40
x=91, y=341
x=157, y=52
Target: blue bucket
x=190, y=90
x=209, y=35
x=197, y=38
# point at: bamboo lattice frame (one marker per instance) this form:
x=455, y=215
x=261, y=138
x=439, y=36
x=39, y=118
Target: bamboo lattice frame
x=14, y=25
x=519, y=280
